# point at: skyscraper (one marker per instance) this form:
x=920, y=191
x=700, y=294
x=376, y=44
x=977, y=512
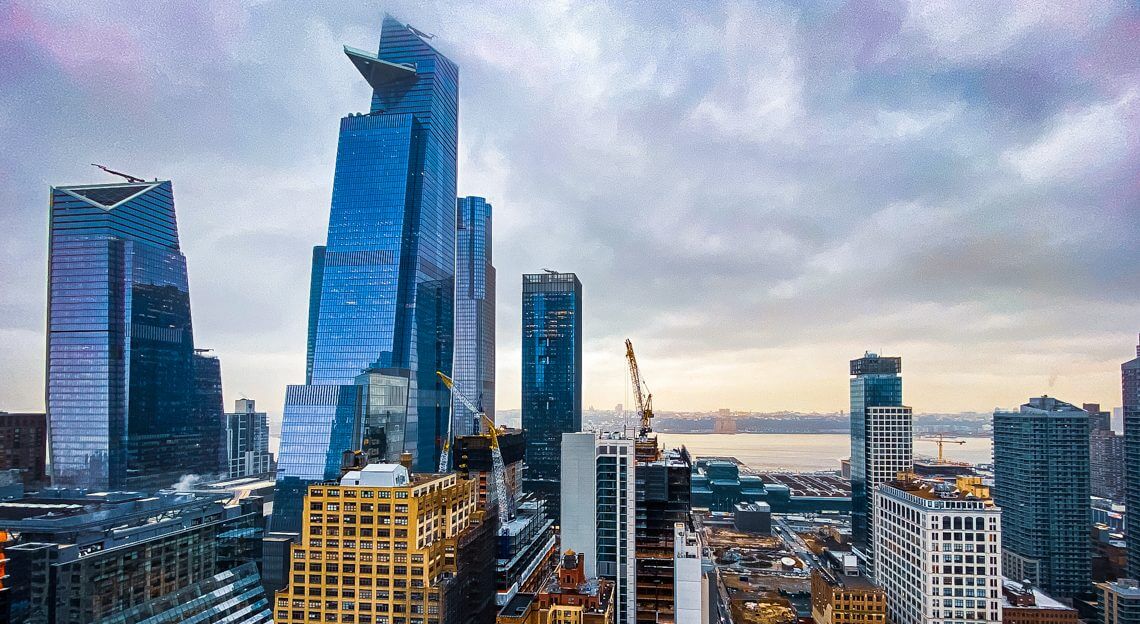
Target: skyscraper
x=381, y=304
x=474, y=365
x=881, y=437
x=1041, y=482
x=247, y=440
x=122, y=379
x=1130, y=387
x=551, y=375
x=1106, y=455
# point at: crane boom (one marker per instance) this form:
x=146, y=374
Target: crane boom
x=640, y=392
x=129, y=178
x=498, y=487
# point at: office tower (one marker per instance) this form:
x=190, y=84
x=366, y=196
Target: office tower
x=1041, y=482
x=1130, y=389
x=598, y=514
x=382, y=287
x=474, y=365
x=882, y=438
x=663, y=500
x=23, y=447
x=938, y=549
x=247, y=440
x=1025, y=604
x=85, y=557
x=230, y=596
x=690, y=586
x=121, y=402
x=841, y=595
x=1120, y=601
x=209, y=410
x=380, y=543
x=551, y=375
x=569, y=596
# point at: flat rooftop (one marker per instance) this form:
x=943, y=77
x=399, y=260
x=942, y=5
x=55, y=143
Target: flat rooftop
x=517, y=605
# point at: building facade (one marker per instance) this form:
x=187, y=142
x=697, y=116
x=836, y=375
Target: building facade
x=23, y=447
x=377, y=546
x=1041, y=482
x=1130, y=391
x=938, y=552
x=838, y=598
x=474, y=366
x=1106, y=456
x=1120, y=601
x=551, y=375
x=881, y=438
x=381, y=305
x=121, y=379
x=690, y=585
x=598, y=516
x=663, y=501
x=247, y=440
x=231, y=597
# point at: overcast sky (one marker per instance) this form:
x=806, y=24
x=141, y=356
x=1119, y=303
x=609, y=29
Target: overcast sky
x=754, y=192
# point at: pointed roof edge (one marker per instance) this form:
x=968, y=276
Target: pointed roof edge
x=378, y=72
x=70, y=190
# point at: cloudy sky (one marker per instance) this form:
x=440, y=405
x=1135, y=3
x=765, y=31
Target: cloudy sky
x=753, y=192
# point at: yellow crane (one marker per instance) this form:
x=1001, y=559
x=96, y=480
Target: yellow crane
x=498, y=466
x=941, y=439
x=640, y=392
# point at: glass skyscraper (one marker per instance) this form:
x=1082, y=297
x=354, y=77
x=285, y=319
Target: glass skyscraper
x=123, y=379
x=1130, y=389
x=382, y=298
x=881, y=437
x=1041, y=482
x=474, y=366
x=551, y=376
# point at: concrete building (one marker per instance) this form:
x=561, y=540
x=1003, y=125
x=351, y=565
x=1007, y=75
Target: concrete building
x=690, y=585
x=841, y=595
x=1041, y=481
x=23, y=447
x=75, y=556
x=938, y=549
x=1025, y=604
x=598, y=516
x=247, y=440
x=382, y=541
x=1120, y=601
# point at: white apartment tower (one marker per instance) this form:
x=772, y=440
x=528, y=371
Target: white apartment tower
x=938, y=552
x=598, y=512
x=247, y=440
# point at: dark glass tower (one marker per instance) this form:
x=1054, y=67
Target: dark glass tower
x=1130, y=386
x=551, y=376
x=1041, y=483
x=875, y=383
x=474, y=367
x=381, y=309
x=122, y=398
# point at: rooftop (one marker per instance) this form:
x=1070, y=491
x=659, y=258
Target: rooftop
x=517, y=605
x=1040, y=600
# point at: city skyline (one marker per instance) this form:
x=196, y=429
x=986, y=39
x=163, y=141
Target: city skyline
x=990, y=306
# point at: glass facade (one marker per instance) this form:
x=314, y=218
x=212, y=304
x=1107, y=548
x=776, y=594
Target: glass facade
x=122, y=381
x=1041, y=482
x=231, y=597
x=875, y=382
x=474, y=364
x=383, y=285
x=1130, y=390
x=551, y=376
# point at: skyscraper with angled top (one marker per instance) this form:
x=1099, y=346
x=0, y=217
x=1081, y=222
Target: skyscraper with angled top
x=474, y=366
x=382, y=288
x=123, y=403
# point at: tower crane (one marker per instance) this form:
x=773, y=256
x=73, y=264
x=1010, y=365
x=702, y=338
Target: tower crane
x=640, y=392
x=129, y=178
x=941, y=439
x=498, y=466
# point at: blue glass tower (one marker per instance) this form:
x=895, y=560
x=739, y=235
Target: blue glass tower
x=875, y=383
x=382, y=299
x=474, y=366
x=1041, y=483
x=122, y=377
x=551, y=377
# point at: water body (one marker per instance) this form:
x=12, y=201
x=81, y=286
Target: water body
x=806, y=452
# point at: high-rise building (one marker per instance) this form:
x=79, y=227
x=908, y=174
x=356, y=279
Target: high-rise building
x=663, y=501
x=79, y=556
x=23, y=446
x=938, y=552
x=380, y=544
x=599, y=502
x=1106, y=455
x=882, y=438
x=209, y=409
x=1130, y=389
x=474, y=366
x=121, y=372
x=247, y=440
x=1120, y=601
x=1041, y=482
x=382, y=298
x=551, y=376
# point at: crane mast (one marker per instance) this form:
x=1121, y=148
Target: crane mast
x=498, y=487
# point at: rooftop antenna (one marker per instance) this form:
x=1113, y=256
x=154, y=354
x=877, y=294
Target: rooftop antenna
x=129, y=178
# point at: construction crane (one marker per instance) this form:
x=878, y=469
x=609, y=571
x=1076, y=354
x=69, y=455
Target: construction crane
x=941, y=439
x=640, y=392
x=498, y=466
x=130, y=178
